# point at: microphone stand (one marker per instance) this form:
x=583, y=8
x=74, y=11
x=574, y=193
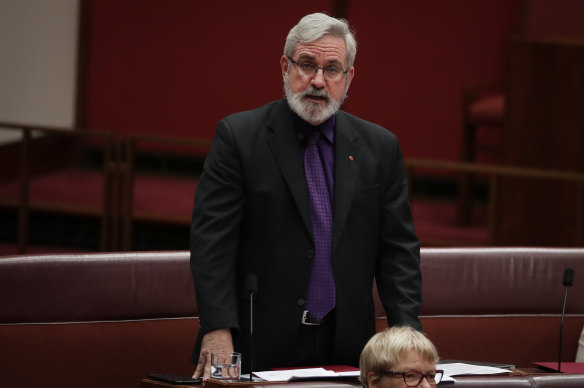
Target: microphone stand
x=251, y=286
x=567, y=282
x=251, y=294
x=562, y=331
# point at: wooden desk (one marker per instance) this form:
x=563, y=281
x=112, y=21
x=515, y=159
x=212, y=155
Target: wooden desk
x=513, y=380
x=211, y=383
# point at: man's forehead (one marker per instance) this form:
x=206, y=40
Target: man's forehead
x=327, y=48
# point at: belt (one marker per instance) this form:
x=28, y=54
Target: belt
x=309, y=320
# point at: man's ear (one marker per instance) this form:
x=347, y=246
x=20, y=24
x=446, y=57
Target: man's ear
x=350, y=74
x=284, y=64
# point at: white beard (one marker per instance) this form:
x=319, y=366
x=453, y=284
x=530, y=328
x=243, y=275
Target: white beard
x=313, y=113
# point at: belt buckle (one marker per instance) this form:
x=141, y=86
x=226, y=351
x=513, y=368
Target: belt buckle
x=305, y=319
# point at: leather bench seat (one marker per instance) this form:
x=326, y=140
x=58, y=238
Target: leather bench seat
x=500, y=304
x=110, y=319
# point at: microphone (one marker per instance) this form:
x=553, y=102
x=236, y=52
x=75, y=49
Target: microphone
x=567, y=282
x=568, y=277
x=251, y=287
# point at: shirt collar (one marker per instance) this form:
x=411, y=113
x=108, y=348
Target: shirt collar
x=304, y=127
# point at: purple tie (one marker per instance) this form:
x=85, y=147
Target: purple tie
x=321, y=290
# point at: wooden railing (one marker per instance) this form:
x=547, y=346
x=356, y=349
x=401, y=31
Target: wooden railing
x=116, y=213
x=494, y=174
x=118, y=169
x=104, y=140
x=130, y=145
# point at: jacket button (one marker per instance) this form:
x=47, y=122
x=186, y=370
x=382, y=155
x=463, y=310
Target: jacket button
x=310, y=254
x=301, y=302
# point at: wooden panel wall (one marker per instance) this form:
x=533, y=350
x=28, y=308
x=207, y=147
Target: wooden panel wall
x=544, y=129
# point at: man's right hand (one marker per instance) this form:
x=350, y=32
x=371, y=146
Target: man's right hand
x=215, y=341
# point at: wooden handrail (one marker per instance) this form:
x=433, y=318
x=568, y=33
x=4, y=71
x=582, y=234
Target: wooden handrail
x=79, y=132
x=173, y=140
x=490, y=169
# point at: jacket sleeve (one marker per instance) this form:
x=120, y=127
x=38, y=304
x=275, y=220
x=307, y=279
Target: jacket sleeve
x=398, y=275
x=215, y=228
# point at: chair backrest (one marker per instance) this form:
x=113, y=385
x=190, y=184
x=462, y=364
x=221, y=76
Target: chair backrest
x=112, y=287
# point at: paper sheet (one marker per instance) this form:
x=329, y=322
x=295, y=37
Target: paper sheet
x=459, y=368
x=288, y=374
x=450, y=369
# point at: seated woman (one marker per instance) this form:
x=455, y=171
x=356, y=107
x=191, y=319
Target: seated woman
x=399, y=357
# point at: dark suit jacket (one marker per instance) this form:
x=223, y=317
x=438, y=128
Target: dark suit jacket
x=252, y=216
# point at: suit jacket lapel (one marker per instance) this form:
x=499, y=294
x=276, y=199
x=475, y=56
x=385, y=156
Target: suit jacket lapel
x=347, y=166
x=283, y=141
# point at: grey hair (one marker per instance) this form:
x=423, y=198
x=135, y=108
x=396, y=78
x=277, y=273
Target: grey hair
x=315, y=26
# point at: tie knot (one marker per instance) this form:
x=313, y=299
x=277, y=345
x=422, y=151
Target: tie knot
x=313, y=137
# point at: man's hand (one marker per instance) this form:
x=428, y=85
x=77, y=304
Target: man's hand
x=214, y=341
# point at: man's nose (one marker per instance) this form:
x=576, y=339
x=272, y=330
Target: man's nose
x=318, y=79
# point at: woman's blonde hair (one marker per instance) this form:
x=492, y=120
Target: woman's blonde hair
x=387, y=348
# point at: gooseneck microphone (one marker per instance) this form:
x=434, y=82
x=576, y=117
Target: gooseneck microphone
x=251, y=286
x=567, y=282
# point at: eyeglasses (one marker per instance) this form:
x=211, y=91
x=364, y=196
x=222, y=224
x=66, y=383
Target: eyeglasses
x=330, y=73
x=413, y=378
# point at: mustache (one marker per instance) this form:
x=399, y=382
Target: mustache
x=313, y=92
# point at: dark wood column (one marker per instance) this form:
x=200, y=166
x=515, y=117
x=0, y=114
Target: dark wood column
x=544, y=128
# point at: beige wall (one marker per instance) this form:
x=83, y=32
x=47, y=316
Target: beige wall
x=38, y=46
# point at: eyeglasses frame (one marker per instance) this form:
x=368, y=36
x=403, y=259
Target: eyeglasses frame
x=422, y=375
x=316, y=69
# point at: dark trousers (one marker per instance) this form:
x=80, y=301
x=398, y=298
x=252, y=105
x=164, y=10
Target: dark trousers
x=315, y=343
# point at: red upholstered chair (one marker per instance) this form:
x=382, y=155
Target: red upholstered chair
x=483, y=107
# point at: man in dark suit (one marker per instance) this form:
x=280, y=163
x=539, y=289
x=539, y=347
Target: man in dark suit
x=312, y=203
